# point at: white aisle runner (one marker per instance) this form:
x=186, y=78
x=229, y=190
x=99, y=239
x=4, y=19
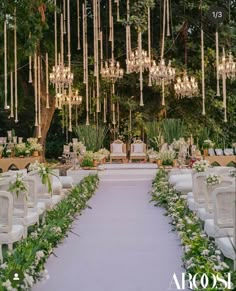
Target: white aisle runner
x=125, y=242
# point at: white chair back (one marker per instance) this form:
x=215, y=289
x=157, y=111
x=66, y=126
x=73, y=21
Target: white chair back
x=210, y=189
x=6, y=208
x=32, y=194
x=40, y=187
x=19, y=201
x=199, y=186
x=223, y=202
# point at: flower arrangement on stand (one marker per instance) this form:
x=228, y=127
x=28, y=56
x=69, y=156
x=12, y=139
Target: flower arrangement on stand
x=200, y=166
x=212, y=179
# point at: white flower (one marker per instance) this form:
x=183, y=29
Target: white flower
x=224, y=265
x=8, y=286
x=3, y=266
x=205, y=252
x=39, y=254
x=29, y=280
x=45, y=275
x=218, y=252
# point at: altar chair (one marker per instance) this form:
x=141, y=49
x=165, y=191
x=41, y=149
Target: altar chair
x=118, y=151
x=138, y=151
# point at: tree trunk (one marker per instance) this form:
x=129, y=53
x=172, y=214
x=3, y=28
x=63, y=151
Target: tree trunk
x=46, y=116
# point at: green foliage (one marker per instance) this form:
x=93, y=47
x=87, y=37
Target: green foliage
x=87, y=159
x=153, y=131
x=139, y=12
x=201, y=254
x=172, y=129
x=30, y=254
x=91, y=136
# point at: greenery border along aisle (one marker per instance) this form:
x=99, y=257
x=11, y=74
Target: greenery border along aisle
x=201, y=254
x=31, y=254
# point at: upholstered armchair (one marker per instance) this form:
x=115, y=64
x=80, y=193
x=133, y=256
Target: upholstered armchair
x=138, y=151
x=118, y=151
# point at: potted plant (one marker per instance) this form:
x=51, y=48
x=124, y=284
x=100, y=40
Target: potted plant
x=8, y=153
x=105, y=154
x=20, y=150
x=87, y=161
x=36, y=148
x=207, y=144
x=27, y=153
x=167, y=157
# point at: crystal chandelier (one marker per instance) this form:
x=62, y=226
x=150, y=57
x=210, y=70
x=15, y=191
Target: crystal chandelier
x=74, y=99
x=135, y=60
x=227, y=66
x=61, y=75
x=161, y=72
x=112, y=71
x=186, y=86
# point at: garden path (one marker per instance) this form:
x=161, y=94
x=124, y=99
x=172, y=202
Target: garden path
x=124, y=243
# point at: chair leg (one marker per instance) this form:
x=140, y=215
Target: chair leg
x=10, y=247
x=1, y=256
x=25, y=232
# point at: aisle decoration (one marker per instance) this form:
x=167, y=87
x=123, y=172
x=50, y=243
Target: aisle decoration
x=201, y=255
x=31, y=254
x=18, y=185
x=212, y=179
x=201, y=166
x=45, y=173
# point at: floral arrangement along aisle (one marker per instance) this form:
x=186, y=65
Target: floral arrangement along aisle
x=31, y=254
x=201, y=254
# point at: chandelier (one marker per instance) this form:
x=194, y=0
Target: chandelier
x=136, y=59
x=186, y=86
x=61, y=75
x=73, y=99
x=227, y=67
x=112, y=71
x=161, y=72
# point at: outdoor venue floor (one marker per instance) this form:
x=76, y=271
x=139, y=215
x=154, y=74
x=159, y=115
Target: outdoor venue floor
x=124, y=243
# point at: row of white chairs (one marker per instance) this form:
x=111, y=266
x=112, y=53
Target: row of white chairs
x=214, y=205
x=19, y=212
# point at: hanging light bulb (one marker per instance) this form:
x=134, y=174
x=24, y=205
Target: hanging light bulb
x=186, y=86
x=162, y=72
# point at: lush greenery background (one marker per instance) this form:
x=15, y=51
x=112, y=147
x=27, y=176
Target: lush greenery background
x=184, y=40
